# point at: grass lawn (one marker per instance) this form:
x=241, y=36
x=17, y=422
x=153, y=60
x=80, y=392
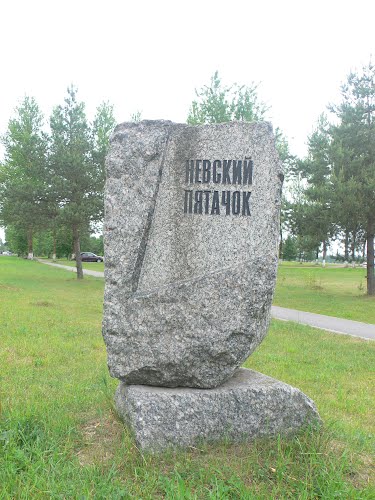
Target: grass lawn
x=60, y=437
x=334, y=291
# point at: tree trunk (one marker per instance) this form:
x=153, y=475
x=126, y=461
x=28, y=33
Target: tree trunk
x=352, y=245
x=77, y=251
x=281, y=243
x=30, y=252
x=54, y=246
x=370, y=257
x=346, y=244
x=324, y=253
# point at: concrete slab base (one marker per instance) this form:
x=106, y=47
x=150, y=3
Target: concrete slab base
x=247, y=406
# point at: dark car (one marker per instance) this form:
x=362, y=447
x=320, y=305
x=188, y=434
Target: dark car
x=90, y=257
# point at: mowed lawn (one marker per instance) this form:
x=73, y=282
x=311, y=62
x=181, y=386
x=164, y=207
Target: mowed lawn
x=60, y=436
x=334, y=291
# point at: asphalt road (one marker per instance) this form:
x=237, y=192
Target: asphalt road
x=97, y=274
x=329, y=323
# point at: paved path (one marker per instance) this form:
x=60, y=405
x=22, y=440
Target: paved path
x=97, y=274
x=330, y=323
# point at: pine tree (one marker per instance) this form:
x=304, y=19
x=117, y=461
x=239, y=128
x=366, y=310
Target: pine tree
x=77, y=165
x=23, y=180
x=354, y=145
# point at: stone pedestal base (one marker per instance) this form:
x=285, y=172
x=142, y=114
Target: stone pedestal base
x=247, y=406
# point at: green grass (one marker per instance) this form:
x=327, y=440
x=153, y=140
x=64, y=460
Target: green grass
x=334, y=291
x=94, y=266
x=60, y=437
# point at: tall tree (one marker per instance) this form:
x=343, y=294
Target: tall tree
x=77, y=165
x=102, y=127
x=316, y=170
x=16, y=240
x=290, y=170
x=354, y=136
x=23, y=181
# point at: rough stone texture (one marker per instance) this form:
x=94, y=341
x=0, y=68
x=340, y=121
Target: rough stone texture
x=187, y=296
x=247, y=406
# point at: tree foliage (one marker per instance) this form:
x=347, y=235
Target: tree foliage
x=77, y=164
x=290, y=249
x=354, y=147
x=217, y=103
x=52, y=185
x=16, y=239
x=23, y=182
x=339, y=173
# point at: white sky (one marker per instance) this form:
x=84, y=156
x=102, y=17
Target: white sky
x=150, y=55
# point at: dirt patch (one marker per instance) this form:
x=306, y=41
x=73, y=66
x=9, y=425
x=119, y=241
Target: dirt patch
x=42, y=303
x=15, y=358
x=10, y=353
x=100, y=438
x=9, y=287
x=363, y=472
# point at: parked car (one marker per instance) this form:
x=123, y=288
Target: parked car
x=91, y=257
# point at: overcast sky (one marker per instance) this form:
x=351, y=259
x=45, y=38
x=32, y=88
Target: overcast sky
x=150, y=55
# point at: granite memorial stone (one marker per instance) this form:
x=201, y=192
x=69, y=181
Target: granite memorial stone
x=191, y=236
x=248, y=405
